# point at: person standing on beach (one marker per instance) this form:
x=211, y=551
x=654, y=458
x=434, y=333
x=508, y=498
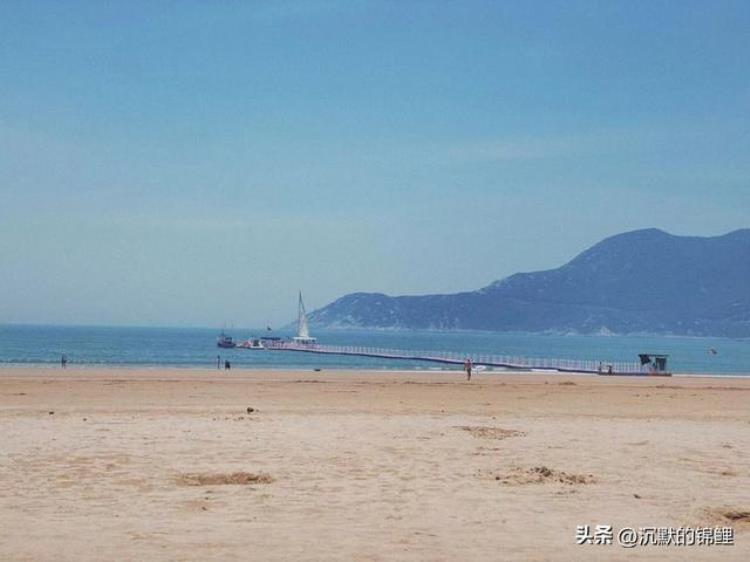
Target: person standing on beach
x=63, y=361
x=467, y=368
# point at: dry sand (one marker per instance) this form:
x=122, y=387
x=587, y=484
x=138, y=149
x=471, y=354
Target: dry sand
x=169, y=465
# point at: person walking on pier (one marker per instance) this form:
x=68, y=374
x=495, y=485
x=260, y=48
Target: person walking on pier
x=467, y=368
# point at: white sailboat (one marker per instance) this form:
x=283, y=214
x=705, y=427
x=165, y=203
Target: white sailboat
x=303, y=332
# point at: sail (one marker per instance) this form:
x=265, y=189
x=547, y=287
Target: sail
x=302, y=329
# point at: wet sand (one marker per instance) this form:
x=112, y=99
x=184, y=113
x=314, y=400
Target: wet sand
x=126, y=464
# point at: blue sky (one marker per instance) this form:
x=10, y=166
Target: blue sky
x=196, y=163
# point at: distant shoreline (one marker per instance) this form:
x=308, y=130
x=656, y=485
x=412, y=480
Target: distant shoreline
x=287, y=330
x=196, y=348
x=110, y=367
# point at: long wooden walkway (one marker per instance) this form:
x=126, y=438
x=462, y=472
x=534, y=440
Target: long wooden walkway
x=454, y=358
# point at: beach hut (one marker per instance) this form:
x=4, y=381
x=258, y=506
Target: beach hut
x=654, y=363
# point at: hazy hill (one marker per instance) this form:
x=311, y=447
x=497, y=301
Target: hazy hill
x=640, y=281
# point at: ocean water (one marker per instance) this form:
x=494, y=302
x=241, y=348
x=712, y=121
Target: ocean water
x=196, y=347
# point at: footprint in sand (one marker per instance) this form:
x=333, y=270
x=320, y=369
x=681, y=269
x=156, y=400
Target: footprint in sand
x=728, y=516
x=230, y=479
x=487, y=432
x=518, y=476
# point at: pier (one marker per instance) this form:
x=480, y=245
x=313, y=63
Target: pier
x=455, y=358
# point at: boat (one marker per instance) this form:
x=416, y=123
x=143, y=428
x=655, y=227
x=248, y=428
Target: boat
x=303, y=332
x=252, y=343
x=225, y=341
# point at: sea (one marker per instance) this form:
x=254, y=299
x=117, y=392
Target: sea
x=97, y=346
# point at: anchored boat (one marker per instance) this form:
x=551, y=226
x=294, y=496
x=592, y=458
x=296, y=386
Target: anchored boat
x=303, y=331
x=252, y=343
x=225, y=341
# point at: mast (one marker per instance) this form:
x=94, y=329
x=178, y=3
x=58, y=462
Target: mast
x=302, y=330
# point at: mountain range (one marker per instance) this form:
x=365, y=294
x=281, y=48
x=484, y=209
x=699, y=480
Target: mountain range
x=644, y=281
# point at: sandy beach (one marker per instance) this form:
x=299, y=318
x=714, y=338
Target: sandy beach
x=126, y=464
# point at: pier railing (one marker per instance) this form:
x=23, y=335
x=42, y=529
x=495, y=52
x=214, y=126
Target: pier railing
x=458, y=358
